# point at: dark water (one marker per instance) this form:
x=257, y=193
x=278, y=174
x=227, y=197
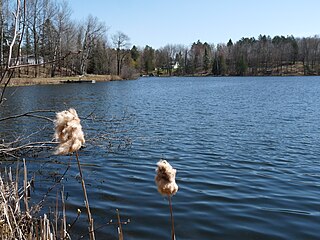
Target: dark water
x=246, y=150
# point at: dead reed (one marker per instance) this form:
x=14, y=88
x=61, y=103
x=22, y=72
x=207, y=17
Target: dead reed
x=18, y=220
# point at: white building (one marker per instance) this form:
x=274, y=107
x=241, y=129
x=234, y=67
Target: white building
x=26, y=60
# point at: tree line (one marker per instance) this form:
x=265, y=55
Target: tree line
x=48, y=34
x=279, y=55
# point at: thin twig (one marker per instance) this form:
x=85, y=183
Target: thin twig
x=64, y=221
x=110, y=223
x=29, y=114
x=54, y=185
x=75, y=220
x=25, y=183
x=56, y=213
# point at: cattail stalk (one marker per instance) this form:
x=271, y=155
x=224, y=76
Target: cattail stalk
x=68, y=131
x=64, y=219
x=120, y=232
x=173, y=237
x=90, y=219
x=166, y=183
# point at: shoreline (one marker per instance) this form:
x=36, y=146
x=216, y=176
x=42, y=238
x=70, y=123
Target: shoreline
x=24, y=81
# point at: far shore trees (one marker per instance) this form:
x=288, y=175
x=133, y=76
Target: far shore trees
x=50, y=34
x=89, y=35
x=121, y=44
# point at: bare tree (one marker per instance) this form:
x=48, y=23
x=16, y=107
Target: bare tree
x=34, y=23
x=1, y=34
x=18, y=30
x=62, y=24
x=93, y=30
x=121, y=43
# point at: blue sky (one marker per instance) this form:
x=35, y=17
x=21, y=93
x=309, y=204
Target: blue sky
x=160, y=22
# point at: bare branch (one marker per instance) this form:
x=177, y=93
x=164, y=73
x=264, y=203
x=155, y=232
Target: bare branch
x=30, y=114
x=44, y=63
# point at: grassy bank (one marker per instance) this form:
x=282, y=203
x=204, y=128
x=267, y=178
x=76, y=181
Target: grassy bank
x=57, y=80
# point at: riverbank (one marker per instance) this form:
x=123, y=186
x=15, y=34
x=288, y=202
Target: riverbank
x=59, y=80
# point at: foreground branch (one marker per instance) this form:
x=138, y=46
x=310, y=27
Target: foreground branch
x=29, y=114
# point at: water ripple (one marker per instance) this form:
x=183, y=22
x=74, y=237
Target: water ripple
x=246, y=152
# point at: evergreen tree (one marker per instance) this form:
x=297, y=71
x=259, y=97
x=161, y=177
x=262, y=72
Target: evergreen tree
x=148, y=59
x=223, y=65
x=215, y=66
x=134, y=53
x=241, y=66
x=206, y=60
x=230, y=43
x=219, y=66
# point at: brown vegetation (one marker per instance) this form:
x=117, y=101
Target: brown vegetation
x=18, y=220
x=59, y=80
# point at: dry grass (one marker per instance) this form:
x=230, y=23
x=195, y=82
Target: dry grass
x=17, y=219
x=57, y=80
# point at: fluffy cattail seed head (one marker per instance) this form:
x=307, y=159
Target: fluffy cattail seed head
x=68, y=131
x=165, y=178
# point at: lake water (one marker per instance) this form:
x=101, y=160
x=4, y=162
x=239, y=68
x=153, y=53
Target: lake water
x=246, y=150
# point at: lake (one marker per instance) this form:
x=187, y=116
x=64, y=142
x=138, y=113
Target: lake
x=246, y=150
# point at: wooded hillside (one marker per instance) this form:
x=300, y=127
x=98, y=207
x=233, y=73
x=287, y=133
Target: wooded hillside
x=48, y=34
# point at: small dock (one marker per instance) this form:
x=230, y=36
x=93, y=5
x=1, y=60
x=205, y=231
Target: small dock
x=78, y=81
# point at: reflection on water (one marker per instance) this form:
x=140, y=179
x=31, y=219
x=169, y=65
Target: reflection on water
x=246, y=152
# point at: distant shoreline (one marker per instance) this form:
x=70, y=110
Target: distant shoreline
x=25, y=81
x=14, y=82
x=248, y=75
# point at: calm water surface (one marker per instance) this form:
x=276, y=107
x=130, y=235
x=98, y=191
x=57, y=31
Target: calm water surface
x=246, y=150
